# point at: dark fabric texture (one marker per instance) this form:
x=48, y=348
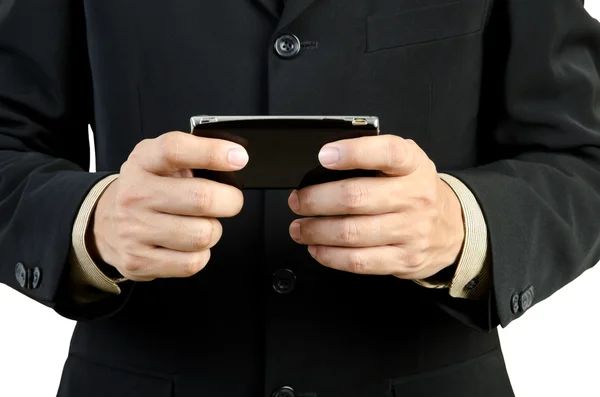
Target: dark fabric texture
x=92, y=379
x=503, y=94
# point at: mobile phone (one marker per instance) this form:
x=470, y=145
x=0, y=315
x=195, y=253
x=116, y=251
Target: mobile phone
x=283, y=150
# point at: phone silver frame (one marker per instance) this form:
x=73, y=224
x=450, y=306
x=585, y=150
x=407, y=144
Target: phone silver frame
x=354, y=120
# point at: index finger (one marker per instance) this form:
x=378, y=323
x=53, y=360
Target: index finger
x=389, y=154
x=175, y=151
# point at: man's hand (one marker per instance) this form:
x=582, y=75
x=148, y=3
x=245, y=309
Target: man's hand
x=157, y=221
x=407, y=223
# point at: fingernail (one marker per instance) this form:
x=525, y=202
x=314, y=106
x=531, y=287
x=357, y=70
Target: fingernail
x=329, y=155
x=295, y=231
x=312, y=250
x=237, y=157
x=293, y=202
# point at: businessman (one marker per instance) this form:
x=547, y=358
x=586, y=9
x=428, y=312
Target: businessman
x=486, y=200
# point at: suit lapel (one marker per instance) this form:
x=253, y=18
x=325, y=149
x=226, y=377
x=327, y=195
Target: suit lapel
x=287, y=14
x=293, y=8
x=273, y=7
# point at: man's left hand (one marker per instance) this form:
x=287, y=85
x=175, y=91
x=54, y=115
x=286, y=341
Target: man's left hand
x=406, y=222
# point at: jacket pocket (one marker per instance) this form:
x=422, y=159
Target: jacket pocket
x=482, y=376
x=423, y=25
x=82, y=377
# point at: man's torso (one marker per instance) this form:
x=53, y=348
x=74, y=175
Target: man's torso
x=263, y=314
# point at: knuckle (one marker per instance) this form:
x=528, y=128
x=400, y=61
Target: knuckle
x=354, y=194
x=214, y=157
x=349, y=232
x=410, y=149
x=423, y=230
x=358, y=263
x=168, y=145
x=397, y=151
x=129, y=245
x=401, y=260
x=203, y=237
x=127, y=167
x=401, y=255
x=416, y=261
x=138, y=149
x=428, y=195
x=124, y=228
x=132, y=264
x=196, y=263
x=410, y=143
x=433, y=214
x=130, y=174
x=191, y=267
x=307, y=201
x=123, y=234
x=216, y=229
x=203, y=197
x=430, y=165
x=127, y=197
x=421, y=246
x=120, y=218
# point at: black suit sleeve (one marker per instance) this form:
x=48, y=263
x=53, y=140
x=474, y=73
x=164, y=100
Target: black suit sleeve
x=540, y=122
x=45, y=108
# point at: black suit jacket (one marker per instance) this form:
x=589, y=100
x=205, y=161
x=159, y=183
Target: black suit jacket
x=503, y=94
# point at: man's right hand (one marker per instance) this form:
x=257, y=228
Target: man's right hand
x=156, y=220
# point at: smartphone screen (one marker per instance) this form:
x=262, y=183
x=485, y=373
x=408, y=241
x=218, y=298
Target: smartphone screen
x=283, y=153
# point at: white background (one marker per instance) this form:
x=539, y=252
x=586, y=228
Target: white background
x=552, y=351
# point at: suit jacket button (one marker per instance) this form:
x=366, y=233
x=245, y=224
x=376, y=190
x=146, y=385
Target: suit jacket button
x=526, y=299
x=287, y=46
x=21, y=275
x=284, y=281
x=514, y=303
x=36, y=279
x=284, y=391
